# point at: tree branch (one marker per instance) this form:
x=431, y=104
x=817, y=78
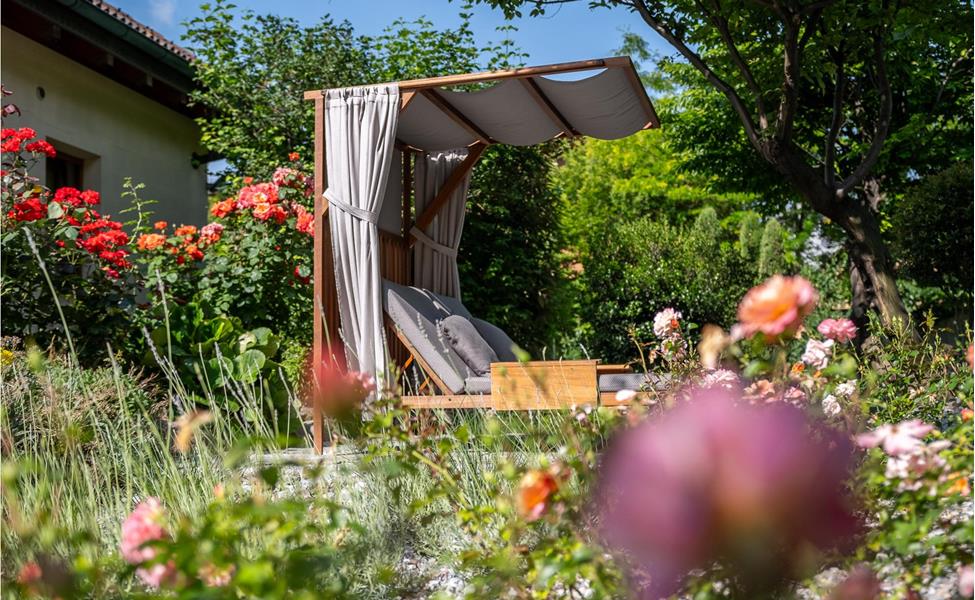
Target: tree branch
x=790, y=80
x=829, y=154
x=721, y=23
x=883, y=121
x=722, y=86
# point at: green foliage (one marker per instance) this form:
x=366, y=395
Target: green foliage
x=604, y=183
x=214, y=355
x=253, y=70
x=647, y=266
x=510, y=274
x=771, y=251
x=941, y=257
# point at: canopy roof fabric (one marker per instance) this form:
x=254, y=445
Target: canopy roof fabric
x=524, y=107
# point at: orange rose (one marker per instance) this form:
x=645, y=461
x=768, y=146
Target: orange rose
x=150, y=241
x=186, y=230
x=222, y=208
x=777, y=307
x=534, y=491
x=160, y=225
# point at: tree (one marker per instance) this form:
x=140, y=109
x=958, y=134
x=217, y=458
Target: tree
x=810, y=84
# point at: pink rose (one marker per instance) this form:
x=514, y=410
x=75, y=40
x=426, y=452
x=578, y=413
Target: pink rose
x=777, y=307
x=144, y=525
x=897, y=440
x=840, y=330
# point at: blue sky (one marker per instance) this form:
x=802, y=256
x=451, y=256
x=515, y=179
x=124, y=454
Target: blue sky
x=568, y=32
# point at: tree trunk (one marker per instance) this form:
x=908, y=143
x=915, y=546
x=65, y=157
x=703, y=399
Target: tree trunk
x=873, y=264
x=874, y=286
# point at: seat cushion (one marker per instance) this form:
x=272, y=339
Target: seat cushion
x=499, y=341
x=416, y=315
x=614, y=382
x=463, y=337
x=478, y=385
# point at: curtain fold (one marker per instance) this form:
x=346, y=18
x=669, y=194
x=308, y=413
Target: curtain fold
x=360, y=134
x=435, y=251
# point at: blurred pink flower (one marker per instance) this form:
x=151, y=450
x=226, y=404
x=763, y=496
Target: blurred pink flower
x=966, y=581
x=896, y=440
x=753, y=487
x=861, y=583
x=143, y=525
x=840, y=330
x=777, y=307
x=818, y=353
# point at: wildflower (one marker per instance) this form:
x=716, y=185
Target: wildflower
x=144, y=525
x=28, y=210
x=860, y=584
x=30, y=573
x=294, y=156
x=966, y=581
x=160, y=225
x=777, y=307
x=625, y=395
x=211, y=232
x=720, y=378
x=840, y=330
x=223, y=208
x=760, y=392
x=534, y=491
x=794, y=395
x=41, y=147
x=831, y=406
x=846, y=389
x=666, y=323
x=187, y=425
x=306, y=220
x=959, y=485
x=150, y=241
x=214, y=576
x=713, y=342
x=186, y=231
x=911, y=468
x=967, y=414
x=712, y=478
x=897, y=440
x=818, y=353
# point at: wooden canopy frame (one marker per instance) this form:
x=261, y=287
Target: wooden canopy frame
x=514, y=385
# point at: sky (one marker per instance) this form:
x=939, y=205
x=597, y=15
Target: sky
x=567, y=32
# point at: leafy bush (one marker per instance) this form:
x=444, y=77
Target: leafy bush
x=647, y=266
x=932, y=239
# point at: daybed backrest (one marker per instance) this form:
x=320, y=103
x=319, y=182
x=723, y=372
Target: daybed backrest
x=416, y=313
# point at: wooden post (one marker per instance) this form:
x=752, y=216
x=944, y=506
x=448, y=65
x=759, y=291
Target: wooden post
x=325, y=332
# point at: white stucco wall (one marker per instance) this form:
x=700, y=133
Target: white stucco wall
x=131, y=135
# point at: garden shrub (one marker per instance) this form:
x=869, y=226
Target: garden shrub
x=932, y=238
x=647, y=266
x=67, y=273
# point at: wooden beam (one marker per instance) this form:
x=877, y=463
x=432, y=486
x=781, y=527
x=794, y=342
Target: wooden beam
x=448, y=401
x=468, y=78
x=407, y=212
x=454, y=180
x=546, y=105
x=416, y=356
x=458, y=117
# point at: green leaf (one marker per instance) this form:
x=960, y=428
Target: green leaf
x=249, y=365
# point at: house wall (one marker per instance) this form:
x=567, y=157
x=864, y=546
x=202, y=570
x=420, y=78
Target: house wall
x=119, y=132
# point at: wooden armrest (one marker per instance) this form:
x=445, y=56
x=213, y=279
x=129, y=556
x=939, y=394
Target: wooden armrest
x=543, y=384
x=613, y=369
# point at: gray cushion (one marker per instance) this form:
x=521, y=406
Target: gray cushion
x=463, y=337
x=416, y=315
x=478, y=385
x=498, y=340
x=448, y=305
x=615, y=382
